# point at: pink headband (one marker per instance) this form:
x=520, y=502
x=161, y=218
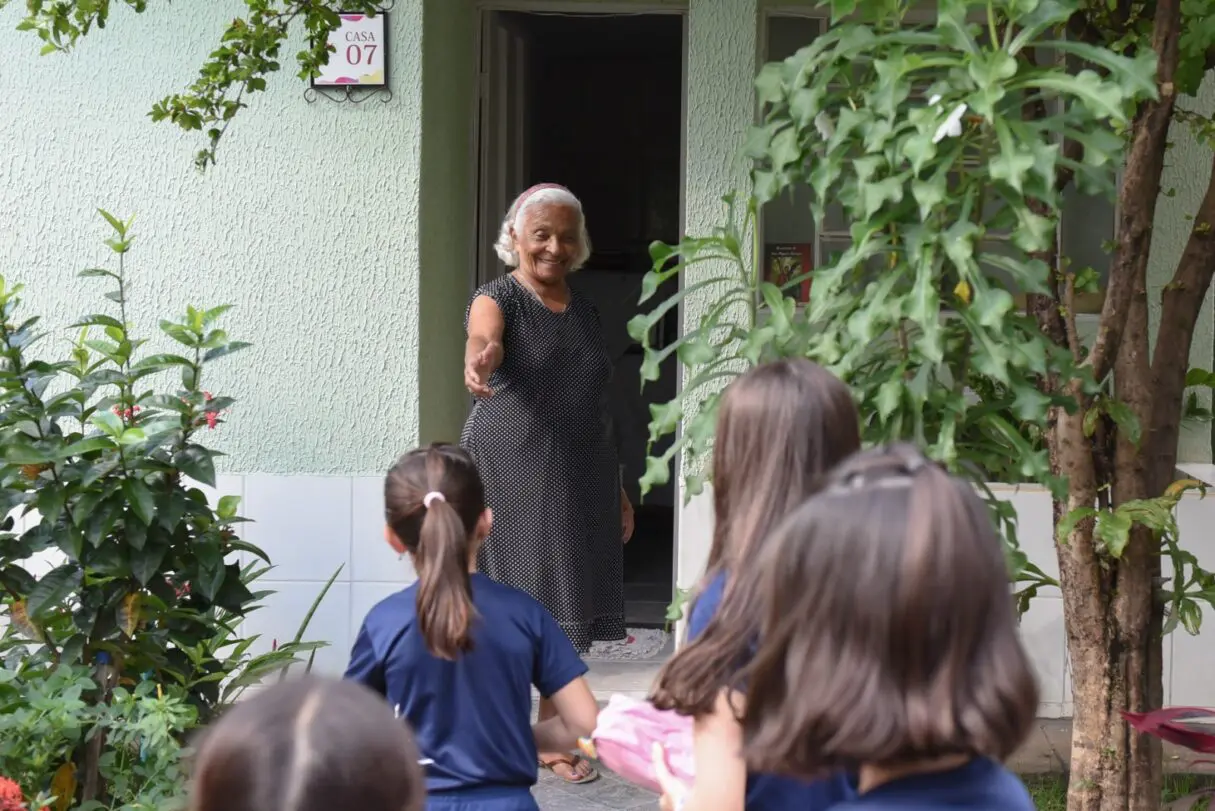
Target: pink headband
x=538, y=187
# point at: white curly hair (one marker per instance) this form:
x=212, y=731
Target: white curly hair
x=545, y=194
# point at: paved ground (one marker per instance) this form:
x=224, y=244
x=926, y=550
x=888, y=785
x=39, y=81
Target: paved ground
x=609, y=791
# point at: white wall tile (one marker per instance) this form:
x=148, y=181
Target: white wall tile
x=1042, y=635
x=363, y=597
x=694, y=537
x=302, y=522
x=283, y=611
x=372, y=559
x=1193, y=657
x=1035, y=524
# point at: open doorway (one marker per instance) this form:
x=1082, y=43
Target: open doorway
x=595, y=102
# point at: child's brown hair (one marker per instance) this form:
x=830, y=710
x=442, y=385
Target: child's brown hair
x=780, y=427
x=433, y=500
x=887, y=632
x=312, y=745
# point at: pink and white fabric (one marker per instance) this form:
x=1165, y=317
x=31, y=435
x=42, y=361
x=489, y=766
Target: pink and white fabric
x=625, y=736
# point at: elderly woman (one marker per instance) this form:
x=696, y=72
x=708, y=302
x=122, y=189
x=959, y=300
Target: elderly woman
x=540, y=432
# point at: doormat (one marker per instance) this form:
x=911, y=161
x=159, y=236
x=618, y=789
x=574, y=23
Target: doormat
x=641, y=644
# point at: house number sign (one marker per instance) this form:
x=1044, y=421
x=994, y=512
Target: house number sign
x=358, y=55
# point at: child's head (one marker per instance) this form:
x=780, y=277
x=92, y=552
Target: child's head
x=308, y=746
x=434, y=502
x=887, y=631
x=779, y=427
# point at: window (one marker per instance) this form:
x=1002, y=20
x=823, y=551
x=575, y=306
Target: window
x=1086, y=222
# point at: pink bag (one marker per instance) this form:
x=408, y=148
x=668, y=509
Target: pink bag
x=625, y=736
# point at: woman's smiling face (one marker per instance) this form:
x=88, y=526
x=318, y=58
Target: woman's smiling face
x=548, y=241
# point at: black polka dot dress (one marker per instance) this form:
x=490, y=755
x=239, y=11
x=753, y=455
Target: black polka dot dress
x=545, y=448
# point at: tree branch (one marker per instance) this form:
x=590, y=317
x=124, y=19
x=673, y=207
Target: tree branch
x=1139, y=192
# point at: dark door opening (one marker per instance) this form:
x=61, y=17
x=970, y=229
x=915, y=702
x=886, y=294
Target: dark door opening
x=595, y=102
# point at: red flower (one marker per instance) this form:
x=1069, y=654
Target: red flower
x=126, y=413
x=11, y=798
x=212, y=419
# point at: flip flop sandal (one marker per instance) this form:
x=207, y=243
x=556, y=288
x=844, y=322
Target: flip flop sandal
x=571, y=763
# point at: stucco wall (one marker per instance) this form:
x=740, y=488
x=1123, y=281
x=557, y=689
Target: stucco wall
x=720, y=109
x=309, y=225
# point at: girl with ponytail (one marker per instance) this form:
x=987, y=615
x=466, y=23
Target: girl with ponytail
x=457, y=654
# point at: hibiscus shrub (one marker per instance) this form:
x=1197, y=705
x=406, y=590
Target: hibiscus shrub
x=140, y=579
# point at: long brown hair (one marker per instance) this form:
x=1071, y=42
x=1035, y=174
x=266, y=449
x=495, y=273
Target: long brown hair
x=780, y=426
x=311, y=745
x=439, y=536
x=887, y=632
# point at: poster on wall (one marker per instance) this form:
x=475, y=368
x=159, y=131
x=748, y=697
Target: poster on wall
x=358, y=55
x=786, y=261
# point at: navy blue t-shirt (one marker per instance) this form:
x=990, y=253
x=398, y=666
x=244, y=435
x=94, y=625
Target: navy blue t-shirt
x=769, y=792
x=471, y=716
x=980, y=784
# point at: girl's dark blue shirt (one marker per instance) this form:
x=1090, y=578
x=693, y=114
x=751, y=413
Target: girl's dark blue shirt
x=769, y=792
x=980, y=784
x=471, y=716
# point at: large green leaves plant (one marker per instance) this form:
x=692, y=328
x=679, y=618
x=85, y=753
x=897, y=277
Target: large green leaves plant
x=930, y=139
x=102, y=472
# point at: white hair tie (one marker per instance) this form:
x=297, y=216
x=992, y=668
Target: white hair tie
x=432, y=497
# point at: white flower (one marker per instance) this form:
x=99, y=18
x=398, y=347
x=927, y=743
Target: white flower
x=952, y=127
x=824, y=126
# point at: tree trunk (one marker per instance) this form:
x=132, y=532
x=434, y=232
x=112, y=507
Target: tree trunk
x=1109, y=604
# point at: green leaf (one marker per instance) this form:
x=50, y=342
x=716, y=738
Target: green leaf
x=1113, y=530
x=108, y=422
x=227, y=507
x=97, y=320
x=1199, y=377
x=657, y=473
x=196, y=462
x=118, y=225
x=1070, y=520
x=145, y=563
x=52, y=589
x=140, y=500
x=1103, y=99
x=226, y=349
x=890, y=394
x=1125, y=418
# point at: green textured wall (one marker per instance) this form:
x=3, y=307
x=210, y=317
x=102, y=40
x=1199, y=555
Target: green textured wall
x=448, y=210
x=309, y=225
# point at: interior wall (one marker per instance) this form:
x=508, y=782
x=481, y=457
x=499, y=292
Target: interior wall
x=447, y=214
x=618, y=83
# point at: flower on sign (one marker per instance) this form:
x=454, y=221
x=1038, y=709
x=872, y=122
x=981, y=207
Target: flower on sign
x=952, y=126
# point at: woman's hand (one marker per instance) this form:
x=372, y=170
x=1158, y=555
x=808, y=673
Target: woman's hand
x=627, y=519
x=674, y=793
x=477, y=369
